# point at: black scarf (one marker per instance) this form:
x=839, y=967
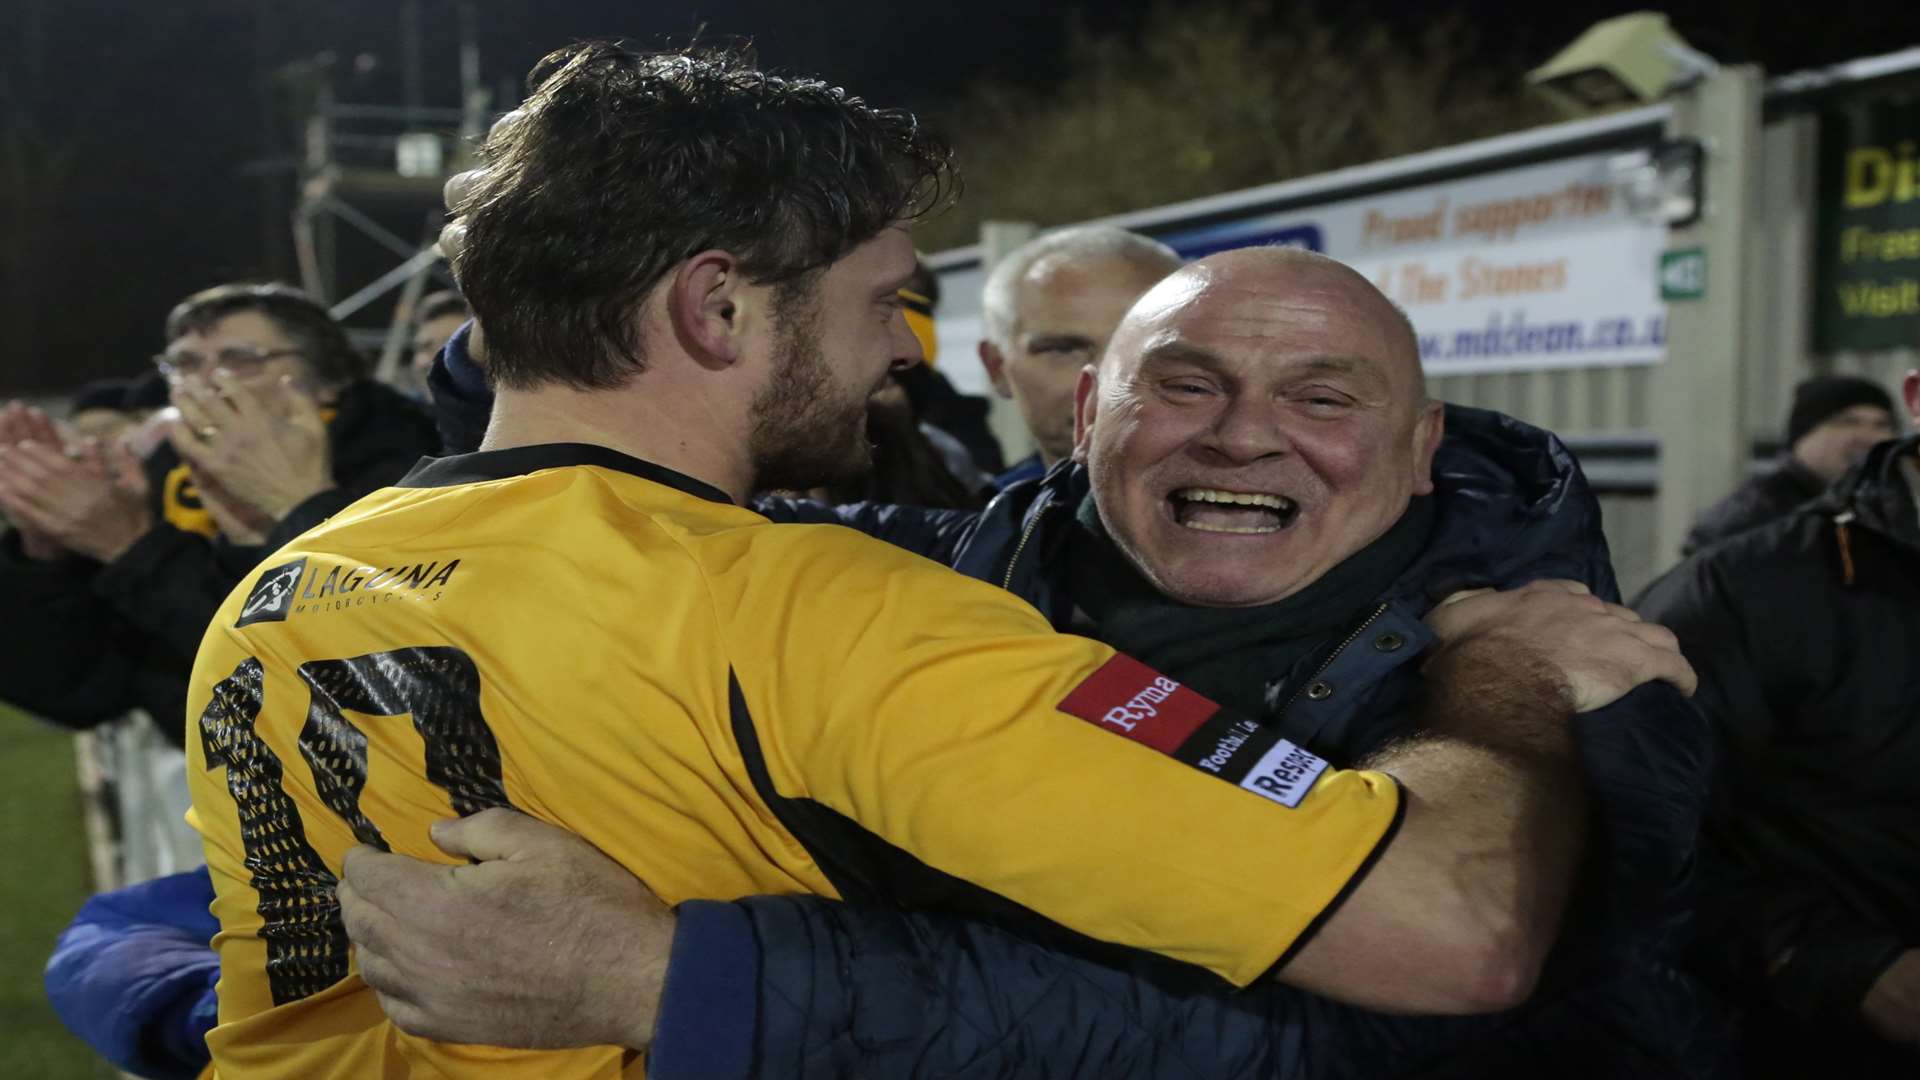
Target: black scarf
x=1231, y=654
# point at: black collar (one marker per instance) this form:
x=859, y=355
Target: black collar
x=485, y=465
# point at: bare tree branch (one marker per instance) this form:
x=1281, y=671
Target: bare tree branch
x=1214, y=98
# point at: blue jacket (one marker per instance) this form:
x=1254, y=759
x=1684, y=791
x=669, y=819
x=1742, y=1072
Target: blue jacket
x=133, y=976
x=1027, y=468
x=799, y=986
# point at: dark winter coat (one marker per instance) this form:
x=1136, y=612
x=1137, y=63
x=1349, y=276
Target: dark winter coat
x=1806, y=635
x=1766, y=496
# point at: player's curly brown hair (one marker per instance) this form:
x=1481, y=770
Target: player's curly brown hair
x=620, y=165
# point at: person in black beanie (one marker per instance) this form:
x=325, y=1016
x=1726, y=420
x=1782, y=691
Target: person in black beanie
x=1804, y=632
x=1835, y=420
x=99, y=408
x=111, y=408
x=146, y=394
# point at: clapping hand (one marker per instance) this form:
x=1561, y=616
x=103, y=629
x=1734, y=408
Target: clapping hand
x=24, y=424
x=64, y=494
x=257, y=451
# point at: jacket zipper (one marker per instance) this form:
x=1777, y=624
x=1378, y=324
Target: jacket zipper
x=1331, y=657
x=1033, y=522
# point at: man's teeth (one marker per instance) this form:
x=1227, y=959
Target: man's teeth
x=1267, y=513
x=1237, y=498
x=1204, y=527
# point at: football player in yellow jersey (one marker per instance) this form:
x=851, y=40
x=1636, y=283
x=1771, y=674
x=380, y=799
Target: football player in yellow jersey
x=582, y=622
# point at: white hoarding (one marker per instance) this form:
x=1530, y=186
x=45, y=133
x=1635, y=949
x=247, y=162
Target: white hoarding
x=1537, y=267
x=1542, y=266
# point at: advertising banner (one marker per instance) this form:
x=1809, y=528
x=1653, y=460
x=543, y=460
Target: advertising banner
x=1868, y=260
x=1542, y=266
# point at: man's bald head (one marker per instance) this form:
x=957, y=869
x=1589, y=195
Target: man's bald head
x=1258, y=418
x=1281, y=272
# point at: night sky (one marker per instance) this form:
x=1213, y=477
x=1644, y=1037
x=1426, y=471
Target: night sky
x=170, y=124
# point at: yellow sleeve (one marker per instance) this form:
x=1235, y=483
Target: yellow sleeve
x=946, y=718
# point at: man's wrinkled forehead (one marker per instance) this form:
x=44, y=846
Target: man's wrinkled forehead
x=1289, y=308
x=1158, y=311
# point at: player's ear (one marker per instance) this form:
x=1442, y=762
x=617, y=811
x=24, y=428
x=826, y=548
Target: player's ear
x=703, y=306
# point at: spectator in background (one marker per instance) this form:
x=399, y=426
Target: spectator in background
x=1835, y=420
x=914, y=463
x=115, y=563
x=102, y=410
x=1806, y=635
x=434, y=321
x=955, y=423
x=1048, y=309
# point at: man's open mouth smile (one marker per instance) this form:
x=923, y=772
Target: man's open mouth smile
x=1244, y=512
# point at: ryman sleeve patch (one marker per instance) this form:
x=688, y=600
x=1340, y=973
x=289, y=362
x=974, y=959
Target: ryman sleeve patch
x=1129, y=698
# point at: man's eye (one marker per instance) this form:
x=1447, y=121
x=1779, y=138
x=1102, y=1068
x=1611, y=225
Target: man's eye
x=1189, y=388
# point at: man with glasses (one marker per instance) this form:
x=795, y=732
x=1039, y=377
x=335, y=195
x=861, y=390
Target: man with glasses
x=115, y=562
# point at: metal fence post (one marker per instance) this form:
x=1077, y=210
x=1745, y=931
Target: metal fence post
x=1698, y=392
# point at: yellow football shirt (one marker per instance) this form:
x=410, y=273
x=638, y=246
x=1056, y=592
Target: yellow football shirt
x=726, y=707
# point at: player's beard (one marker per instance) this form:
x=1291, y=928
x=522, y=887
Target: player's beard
x=807, y=430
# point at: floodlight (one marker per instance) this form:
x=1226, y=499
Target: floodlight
x=1627, y=60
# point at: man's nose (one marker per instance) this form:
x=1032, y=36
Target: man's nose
x=1247, y=429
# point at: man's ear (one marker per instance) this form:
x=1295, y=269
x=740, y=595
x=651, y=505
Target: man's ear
x=1086, y=402
x=1428, y=430
x=996, y=365
x=703, y=308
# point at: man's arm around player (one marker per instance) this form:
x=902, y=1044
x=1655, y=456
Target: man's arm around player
x=1511, y=766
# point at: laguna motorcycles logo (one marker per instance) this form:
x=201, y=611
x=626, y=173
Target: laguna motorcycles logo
x=272, y=596
x=297, y=588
